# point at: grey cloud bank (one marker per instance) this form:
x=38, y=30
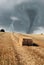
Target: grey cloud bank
x=28, y=15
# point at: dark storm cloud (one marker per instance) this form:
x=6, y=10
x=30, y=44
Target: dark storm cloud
x=6, y=11
x=30, y=15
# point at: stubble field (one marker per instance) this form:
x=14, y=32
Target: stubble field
x=12, y=52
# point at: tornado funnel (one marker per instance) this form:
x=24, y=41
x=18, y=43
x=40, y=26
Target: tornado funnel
x=32, y=15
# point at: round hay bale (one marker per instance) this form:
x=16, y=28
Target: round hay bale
x=2, y=30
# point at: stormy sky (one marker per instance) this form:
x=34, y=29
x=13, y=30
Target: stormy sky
x=24, y=16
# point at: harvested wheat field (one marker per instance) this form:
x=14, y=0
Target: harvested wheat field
x=12, y=52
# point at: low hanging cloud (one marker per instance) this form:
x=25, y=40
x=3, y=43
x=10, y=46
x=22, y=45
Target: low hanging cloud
x=14, y=18
x=39, y=30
